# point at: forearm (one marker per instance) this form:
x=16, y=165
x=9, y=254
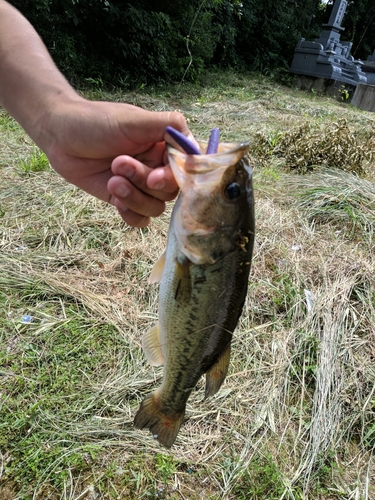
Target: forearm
x=30, y=83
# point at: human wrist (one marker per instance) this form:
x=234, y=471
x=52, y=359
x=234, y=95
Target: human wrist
x=56, y=120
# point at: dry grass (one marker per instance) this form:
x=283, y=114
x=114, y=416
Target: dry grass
x=307, y=146
x=343, y=198
x=295, y=418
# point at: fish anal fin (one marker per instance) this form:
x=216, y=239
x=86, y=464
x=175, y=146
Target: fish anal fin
x=157, y=270
x=217, y=373
x=163, y=427
x=152, y=346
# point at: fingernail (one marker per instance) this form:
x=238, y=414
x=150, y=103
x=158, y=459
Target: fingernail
x=122, y=191
x=160, y=184
x=122, y=210
x=129, y=171
x=120, y=206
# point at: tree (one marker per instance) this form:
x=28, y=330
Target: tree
x=144, y=41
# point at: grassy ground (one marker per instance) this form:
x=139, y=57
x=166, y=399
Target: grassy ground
x=295, y=418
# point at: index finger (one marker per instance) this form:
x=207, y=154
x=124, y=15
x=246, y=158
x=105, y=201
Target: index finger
x=158, y=182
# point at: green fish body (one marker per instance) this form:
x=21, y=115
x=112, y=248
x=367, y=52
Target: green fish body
x=204, y=277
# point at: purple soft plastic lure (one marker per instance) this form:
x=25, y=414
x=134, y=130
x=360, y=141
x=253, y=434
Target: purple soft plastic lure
x=213, y=142
x=189, y=147
x=183, y=141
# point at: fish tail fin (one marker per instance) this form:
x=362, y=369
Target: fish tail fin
x=163, y=427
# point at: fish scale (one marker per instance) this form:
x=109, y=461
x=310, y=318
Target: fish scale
x=203, y=282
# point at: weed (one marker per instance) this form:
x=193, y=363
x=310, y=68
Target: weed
x=305, y=361
x=343, y=92
x=96, y=83
x=7, y=123
x=165, y=467
x=287, y=294
x=273, y=140
x=326, y=465
x=36, y=162
x=262, y=480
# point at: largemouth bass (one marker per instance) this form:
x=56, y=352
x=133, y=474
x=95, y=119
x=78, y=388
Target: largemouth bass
x=204, y=277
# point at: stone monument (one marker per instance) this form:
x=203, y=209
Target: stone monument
x=326, y=63
x=364, y=95
x=369, y=69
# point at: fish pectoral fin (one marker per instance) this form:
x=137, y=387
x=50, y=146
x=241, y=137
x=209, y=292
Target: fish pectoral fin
x=182, y=293
x=163, y=427
x=152, y=346
x=157, y=270
x=217, y=373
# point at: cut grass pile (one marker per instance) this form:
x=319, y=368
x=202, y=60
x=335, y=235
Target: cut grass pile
x=295, y=418
x=308, y=146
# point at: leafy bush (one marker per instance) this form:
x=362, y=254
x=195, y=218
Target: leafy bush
x=126, y=42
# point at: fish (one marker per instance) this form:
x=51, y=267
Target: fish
x=203, y=277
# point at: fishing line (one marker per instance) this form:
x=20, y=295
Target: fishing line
x=188, y=40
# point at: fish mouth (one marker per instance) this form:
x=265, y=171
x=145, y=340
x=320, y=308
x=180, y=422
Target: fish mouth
x=200, y=212
x=225, y=147
x=204, y=170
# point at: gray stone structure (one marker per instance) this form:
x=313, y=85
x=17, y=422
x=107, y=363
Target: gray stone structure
x=364, y=97
x=327, y=57
x=369, y=69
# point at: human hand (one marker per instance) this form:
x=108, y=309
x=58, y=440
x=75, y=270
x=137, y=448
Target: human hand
x=81, y=138
x=85, y=142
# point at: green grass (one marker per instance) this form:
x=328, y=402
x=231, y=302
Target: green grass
x=36, y=162
x=7, y=123
x=46, y=367
x=261, y=479
x=295, y=418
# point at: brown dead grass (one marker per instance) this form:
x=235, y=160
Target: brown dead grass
x=302, y=378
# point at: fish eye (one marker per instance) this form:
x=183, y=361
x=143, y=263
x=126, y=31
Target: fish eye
x=232, y=191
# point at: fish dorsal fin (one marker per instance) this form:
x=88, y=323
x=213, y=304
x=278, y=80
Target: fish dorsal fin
x=217, y=373
x=152, y=346
x=157, y=270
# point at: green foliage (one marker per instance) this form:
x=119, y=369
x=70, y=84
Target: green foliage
x=359, y=24
x=37, y=162
x=286, y=294
x=268, y=32
x=125, y=43
x=7, y=123
x=344, y=93
x=165, y=466
x=326, y=465
x=262, y=480
x=305, y=362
